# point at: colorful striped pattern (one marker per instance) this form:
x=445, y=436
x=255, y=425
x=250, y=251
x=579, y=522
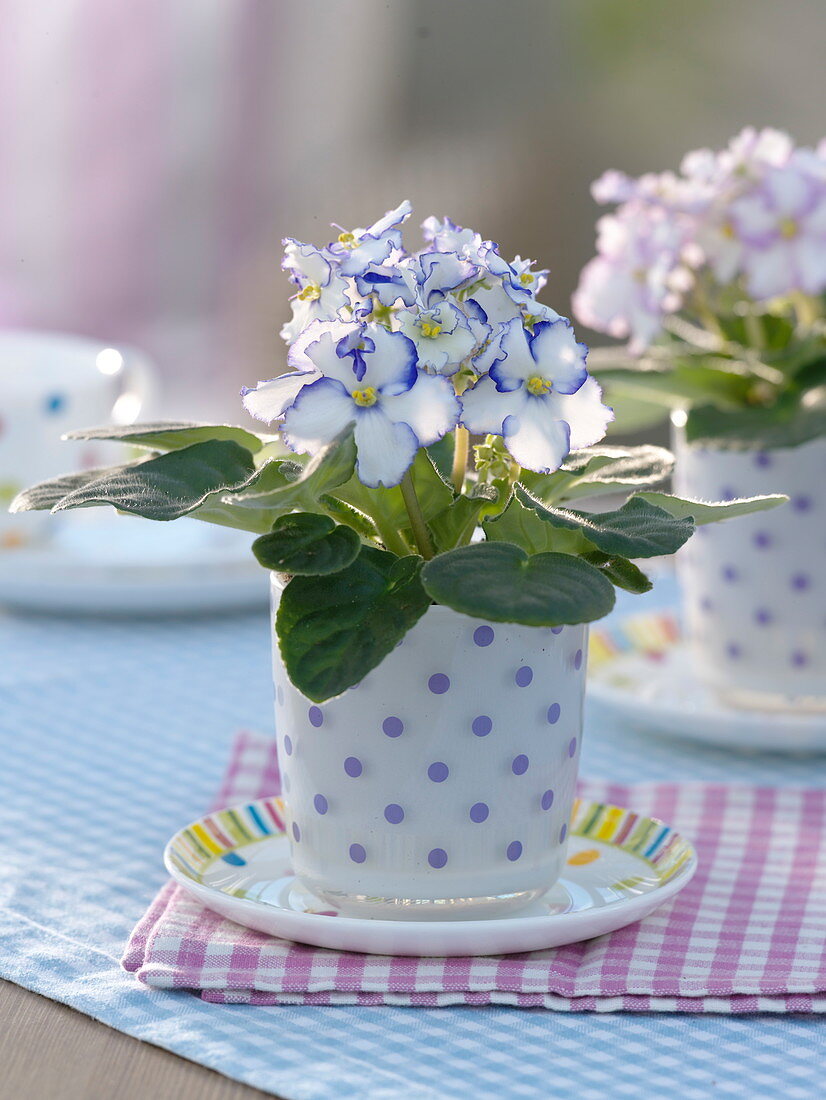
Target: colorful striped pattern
x=224, y=835
x=649, y=634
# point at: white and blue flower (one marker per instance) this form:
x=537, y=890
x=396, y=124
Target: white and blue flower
x=538, y=396
x=442, y=335
x=357, y=249
x=369, y=378
x=322, y=291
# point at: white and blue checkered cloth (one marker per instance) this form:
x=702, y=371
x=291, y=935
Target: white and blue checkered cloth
x=114, y=734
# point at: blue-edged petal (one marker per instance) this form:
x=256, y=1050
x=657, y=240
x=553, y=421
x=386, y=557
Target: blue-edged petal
x=558, y=355
x=439, y=273
x=270, y=400
x=385, y=449
x=584, y=412
x=430, y=407
x=517, y=364
x=535, y=438
x=320, y=412
x=485, y=409
x=393, y=219
x=320, y=347
x=391, y=367
x=388, y=283
x=306, y=263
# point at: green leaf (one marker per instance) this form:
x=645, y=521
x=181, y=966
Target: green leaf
x=387, y=505
x=454, y=525
x=683, y=381
x=621, y=572
x=163, y=488
x=171, y=435
x=46, y=494
x=308, y=544
x=500, y=582
x=638, y=529
x=523, y=527
x=285, y=485
x=702, y=512
x=598, y=470
x=333, y=630
x=788, y=423
x=441, y=455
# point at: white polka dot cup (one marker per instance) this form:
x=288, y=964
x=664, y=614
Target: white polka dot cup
x=441, y=786
x=51, y=384
x=754, y=588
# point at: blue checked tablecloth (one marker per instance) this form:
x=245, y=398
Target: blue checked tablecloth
x=113, y=734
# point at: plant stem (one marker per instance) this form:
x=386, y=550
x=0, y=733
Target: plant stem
x=807, y=310
x=461, y=445
x=420, y=531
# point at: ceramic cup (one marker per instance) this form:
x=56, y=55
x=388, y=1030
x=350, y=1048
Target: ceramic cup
x=442, y=785
x=51, y=384
x=754, y=588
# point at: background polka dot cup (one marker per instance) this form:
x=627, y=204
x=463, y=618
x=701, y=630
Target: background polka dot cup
x=51, y=384
x=442, y=785
x=754, y=588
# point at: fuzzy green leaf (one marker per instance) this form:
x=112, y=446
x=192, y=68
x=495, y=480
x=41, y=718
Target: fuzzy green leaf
x=621, y=572
x=308, y=544
x=639, y=529
x=597, y=470
x=333, y=630
x=454, y=525
x=788, y=423
x=171, y=435
x=501, y=582
x=702, y=512
x=285, y=485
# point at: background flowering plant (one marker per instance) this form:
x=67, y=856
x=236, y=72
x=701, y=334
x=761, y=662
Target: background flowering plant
x=715, y=275
x=378, y=511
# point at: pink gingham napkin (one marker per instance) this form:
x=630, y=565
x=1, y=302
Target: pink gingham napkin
x=748, y=934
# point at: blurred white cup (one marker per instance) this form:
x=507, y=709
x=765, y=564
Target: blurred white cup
x=51, y=384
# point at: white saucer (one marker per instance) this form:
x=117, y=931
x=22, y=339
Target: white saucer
x=620, y=867
x=643, y=672
x=99, y=563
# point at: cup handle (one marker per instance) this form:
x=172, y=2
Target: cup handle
x=138, y=387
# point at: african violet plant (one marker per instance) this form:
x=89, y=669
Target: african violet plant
x=716, y=277
x=378, y=511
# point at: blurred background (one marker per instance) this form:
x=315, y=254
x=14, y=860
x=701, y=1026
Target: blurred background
x=154, y=153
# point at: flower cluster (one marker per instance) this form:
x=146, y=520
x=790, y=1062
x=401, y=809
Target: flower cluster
x=751, y=218
x=409, y=346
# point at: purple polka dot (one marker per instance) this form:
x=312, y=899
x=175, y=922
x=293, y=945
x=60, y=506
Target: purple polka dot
x=482, y=725
x=483, y=635
x=393, y=727
x=514, y=851
x=479, y=812
x=554, y=711
x=523, y=676
x=578, y=660
x=762, y=539
x=572, y=746
x=286, y=782
x=520, y=764
x=799, y=659
x=288, y=744
x=729, y=573
x=437, y=857
x=438, y=772
x=563, y=832
x=733, y=651
x=357, y=853
x=800, y=582
x=762, y=460
x=438, y=683
x=316, y=716
x=320, y=803
x=557, y=629
x=762, y=616
x=394, y=813
x=547, y=800
x=727, y=493
x=279, y=695
x=54, y=403
x=296, y=831
x=353, y=767
x=802, y=503
x=706, y=604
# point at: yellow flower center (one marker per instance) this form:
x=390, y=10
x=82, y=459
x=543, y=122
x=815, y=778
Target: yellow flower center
x=529, y=320
x=430, y=329
x=788, y=228
x=727, y=230
x=310, y=293
x=366, y=397
x=526, y=278
x=347, y=240
x=539, y=386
